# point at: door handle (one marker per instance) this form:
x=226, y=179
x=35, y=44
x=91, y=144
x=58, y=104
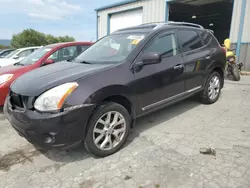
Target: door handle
x=208, y=57
x=178, y=67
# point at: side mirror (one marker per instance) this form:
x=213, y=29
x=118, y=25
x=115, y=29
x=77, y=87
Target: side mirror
x=48, y=61
x=147, y=59
x=151, y=58
x=16, y=57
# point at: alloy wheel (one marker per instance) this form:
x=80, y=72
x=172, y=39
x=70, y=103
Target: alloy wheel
x=214, y=87
x=109, y=130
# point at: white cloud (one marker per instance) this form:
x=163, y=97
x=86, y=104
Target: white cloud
x=40, y=9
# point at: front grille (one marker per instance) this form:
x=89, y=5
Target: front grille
x=16, y=100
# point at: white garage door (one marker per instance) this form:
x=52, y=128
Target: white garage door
x=125, y=19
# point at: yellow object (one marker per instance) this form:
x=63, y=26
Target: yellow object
x=135, y=42
x=230, y=53
x=227, y=43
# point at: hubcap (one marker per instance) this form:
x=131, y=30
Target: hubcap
x=109, y=130
x=214, y=87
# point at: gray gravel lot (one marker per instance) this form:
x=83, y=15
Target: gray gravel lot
x=163, y=151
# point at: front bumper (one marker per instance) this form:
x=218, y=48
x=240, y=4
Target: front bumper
x=67, y=128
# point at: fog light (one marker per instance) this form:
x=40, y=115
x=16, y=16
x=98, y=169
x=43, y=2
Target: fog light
x=49, y=139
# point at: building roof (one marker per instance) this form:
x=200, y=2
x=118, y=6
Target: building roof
x=116, y=4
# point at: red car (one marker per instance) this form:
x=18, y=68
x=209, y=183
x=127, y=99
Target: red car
x=44, y=56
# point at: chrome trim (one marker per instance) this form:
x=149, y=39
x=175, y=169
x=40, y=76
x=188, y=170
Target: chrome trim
x=162, y=101
x=170, y=98
x=194, y=89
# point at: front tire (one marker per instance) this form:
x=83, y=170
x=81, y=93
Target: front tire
x=212, y=89
x=108, y=129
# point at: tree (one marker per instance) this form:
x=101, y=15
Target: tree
x=3, y=47
x=31, y=37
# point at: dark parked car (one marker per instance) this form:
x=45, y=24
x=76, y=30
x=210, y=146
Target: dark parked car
x=128, y=74
x=3, y=53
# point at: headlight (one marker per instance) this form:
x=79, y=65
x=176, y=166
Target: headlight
x=53, y=99
x=5, y=78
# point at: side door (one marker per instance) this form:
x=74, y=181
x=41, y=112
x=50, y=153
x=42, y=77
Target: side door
x=158, y=84
x=196, y=56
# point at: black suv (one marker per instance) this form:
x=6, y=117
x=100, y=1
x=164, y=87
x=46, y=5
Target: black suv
x=94, y=98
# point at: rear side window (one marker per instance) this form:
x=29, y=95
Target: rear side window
x=189, y=40
x=164, y=45
x=206, y=37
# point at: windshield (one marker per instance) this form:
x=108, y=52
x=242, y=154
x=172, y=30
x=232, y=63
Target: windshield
x=35, y=56
x=112, y=49
x=11, y=54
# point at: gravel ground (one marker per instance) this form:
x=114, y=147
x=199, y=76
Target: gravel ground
x=163, y=150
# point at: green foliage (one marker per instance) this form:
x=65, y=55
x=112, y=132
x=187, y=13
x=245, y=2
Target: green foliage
x=31, y=37
x=3, y=47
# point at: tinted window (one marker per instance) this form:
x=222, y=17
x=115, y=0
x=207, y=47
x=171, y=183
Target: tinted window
x=206, y=37
x=189, y=40
x=163, y=45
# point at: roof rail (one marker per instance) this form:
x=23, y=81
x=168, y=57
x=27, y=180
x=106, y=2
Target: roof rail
x=160, y=24
x=157, y=25
x=185, y=24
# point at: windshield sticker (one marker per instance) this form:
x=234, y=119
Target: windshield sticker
x=135, y=42
x=136, y=37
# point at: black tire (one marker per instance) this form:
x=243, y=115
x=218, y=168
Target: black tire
x=235, y=72
x=98, y=113
x=205, y=93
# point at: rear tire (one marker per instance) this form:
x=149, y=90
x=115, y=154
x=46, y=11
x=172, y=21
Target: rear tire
x=108, y=129
x=212, y=89
x=235, y=72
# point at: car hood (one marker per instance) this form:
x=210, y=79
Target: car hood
x=12, y=69
x=39, y=80
x=5, y=62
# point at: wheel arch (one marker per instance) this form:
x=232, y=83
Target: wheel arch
x=221, y=72
x=118, y=94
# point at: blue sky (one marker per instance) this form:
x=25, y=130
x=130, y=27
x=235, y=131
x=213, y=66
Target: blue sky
x=76, y=18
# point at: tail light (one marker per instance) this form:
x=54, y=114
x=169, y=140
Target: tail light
x=224, y=50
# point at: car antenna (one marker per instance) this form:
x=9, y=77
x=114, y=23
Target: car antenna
x=92, y=39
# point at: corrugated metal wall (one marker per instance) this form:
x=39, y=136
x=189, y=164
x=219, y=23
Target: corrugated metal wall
x=235, y=21
x=153, y=11
x=246, y=28
x=245, y=46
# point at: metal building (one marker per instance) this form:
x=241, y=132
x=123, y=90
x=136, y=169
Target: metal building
x=228, y=18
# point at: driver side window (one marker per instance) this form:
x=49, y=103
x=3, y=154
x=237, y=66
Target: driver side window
x=164, y=45
x=64, y=54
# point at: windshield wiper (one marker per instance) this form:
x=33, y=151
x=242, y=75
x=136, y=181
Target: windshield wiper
x=72, y=59
x=19, y=64
x=86, y=62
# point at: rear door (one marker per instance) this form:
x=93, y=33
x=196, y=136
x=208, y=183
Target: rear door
x=158, y=84
x=196, y=57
